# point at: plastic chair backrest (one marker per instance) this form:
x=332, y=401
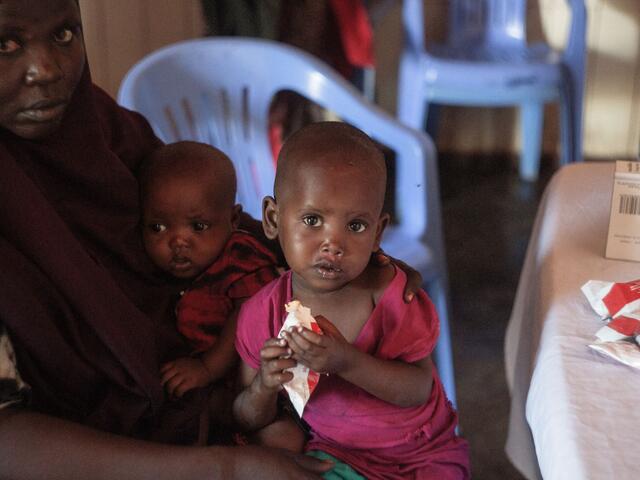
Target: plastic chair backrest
x=219, y=90
x=489, y=22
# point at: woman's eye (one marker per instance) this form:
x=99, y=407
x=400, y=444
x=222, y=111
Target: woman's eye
x=8, y=46
x=200, y=226
x=157, y=227
x=63, y=36
x=311, y=220
x=357, y=227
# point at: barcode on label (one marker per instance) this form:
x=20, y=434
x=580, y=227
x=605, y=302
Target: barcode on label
x=629, y=204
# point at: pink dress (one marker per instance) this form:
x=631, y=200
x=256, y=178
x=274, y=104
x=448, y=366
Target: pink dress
x=378, y=439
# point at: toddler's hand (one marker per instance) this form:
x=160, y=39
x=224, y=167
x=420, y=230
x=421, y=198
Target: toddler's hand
x=275, y=358
x=322, y=353
x=184, y=374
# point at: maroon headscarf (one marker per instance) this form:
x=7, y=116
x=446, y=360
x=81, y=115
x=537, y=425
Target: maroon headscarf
x=89, y=316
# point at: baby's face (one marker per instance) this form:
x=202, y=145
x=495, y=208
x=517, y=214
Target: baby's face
x=185, y=225
x=329, y=223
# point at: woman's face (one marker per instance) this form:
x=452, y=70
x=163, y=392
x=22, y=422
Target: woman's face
x=41, y=59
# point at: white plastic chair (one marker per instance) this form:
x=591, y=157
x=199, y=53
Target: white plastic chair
x=219, y=90
x=486, y=61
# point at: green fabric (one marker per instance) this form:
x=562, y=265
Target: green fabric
x=341, y=471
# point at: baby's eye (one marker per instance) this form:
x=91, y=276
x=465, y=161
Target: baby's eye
x=157, y=227
x=200, y=226
x=357, y=227
x=311, y=220
x=64, y=36
x=8, y=45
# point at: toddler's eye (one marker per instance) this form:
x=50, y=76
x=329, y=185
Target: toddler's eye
x=200, y=226
x=311, y=220
x=64, y=35
x=8, y=45
x=157, y=227
x=357, y=227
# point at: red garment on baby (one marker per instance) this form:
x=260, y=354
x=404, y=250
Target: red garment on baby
x=378, y=439
x=242, y=268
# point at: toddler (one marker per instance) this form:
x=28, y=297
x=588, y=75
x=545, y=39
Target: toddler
x=380, y=410
x=190, y=230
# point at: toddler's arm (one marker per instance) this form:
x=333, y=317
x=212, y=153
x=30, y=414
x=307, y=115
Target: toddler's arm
x=256, y=405
x=396, y=382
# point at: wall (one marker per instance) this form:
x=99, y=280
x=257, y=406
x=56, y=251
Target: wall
x=119, y=32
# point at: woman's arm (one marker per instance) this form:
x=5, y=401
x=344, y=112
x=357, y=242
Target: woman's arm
x=35, y=446
x=414, y=279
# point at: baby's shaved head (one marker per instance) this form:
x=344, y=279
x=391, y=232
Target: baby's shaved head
x=192, y=160
x=330, y=143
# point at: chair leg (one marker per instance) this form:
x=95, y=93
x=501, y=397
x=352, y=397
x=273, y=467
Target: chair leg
x=571, y=124
x=443, y=351
x=410, y=106
x=531, y=119
x=566, y=132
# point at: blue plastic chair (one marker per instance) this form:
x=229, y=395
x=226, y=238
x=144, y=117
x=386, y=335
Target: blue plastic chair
x=486, y=61
x=219, y=90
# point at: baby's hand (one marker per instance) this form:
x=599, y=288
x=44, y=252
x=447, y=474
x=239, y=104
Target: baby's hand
x=184, y=374
x=322, y=353
x=275, y=358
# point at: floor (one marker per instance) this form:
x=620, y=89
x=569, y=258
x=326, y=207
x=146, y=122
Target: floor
x=488, y=214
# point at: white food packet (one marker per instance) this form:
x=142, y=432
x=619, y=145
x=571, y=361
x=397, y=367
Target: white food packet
x=623, y=351
x=618, y=305
x=304, y=380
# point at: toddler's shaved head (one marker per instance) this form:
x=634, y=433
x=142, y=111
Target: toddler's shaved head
x=330, y=144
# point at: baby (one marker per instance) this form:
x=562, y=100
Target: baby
x=380, y=410
x=190, y=230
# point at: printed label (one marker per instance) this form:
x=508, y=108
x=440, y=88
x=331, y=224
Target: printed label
x=623, y=240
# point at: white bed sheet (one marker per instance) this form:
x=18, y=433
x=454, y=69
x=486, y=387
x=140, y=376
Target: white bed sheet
x=575, y=414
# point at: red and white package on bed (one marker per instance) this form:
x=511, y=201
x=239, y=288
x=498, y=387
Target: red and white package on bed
x=618, y=304
x=304, y=380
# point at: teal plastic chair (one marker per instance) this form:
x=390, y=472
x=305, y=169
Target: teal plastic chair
x=218, y=91
x=486, y=61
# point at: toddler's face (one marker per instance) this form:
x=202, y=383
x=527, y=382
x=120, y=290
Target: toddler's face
x=329, y=223
x=41, y=60
x=185, y=225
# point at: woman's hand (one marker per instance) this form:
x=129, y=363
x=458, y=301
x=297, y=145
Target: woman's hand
x=275, y=358
x=184, y=374
x=414, y=279
x=322, y=353
x=253, y=462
